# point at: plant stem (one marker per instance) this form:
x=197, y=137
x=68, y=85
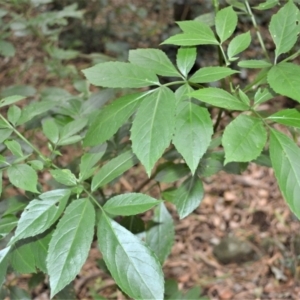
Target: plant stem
x=92, y=198
x=262, y=44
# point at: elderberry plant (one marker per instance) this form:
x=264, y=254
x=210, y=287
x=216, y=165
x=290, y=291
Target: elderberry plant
x=176, y=135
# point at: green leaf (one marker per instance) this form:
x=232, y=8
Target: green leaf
x=193, y=131
x=15, y=148
x=4, y=257
x=263, y=95
x=39, y=215
x=22, y=258
x=16, y=204
x=209, y=74
x=70, y=244
x=284, y=28
x=131, y=263
x=36, y=164
x=285, y=155
x=70, y=140
x=51, y=130
x=7, y=49
x=170, y=172
x=88, y=161
x=111, y=118
x=154, y=60
x=120, y=75
x=22, y=90
x=185, y=59
x=23, y=177
x=160, y=238
x=225, y=22
x=18, y=293
x=284, y=80
x=254, y=64
x=153, y=126
x=5, y=134
x=64, y=176
x=267, y=5
x=220, y=98
x=129, y=204
x=244, y=98
x=13, y=114
x=0, y=183
x=210, y=164
x=288, y=117
x=188, y=196
x=10, y=100
x=238, y=44
x=7, y=224
x=244, y=139
x=114, y=168
x=70, y=129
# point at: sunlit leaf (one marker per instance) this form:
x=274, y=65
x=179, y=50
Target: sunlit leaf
x=288, y=117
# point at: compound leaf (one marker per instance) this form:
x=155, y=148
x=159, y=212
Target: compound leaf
x=154, y=60
x=153, y=126
x=10, y=100
x=283, y=79
x=131, y=263
x=288, y=117
x=284, y=154
x=238, y=44
x=243, y=139
x=70, y=244
x=220, y=98
x=254, y=64
x=120, y=75
x=129, y=204
x=185, y=59
x=110, y=119
x=64, y=176
x=194, y=128
x=209, y=74
x=160, y=238
x=225, y=22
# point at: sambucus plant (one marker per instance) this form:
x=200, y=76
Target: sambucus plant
x=56, y=228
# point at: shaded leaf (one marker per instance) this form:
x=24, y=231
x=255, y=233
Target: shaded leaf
x=153, y=126
x=120, y=74
x=124, y=253
x=244, y=139
x=70, y=244
x=51, y=130
x=129, y=204
x=14, y=147
x=7, y=224
x=13, y=114
x=170, y=172
x=160, y=238
x=10, y=100
x=114, y=168
x=4, y=257
x=284, y=154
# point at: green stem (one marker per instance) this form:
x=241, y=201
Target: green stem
x=291, y=57
x=262, y=44
x=174, y=83
x=227, y=63
x=92, y=198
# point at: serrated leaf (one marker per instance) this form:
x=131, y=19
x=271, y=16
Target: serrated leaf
x=22, y=258
x=7, y=224
x=220, y=98
x=209, y=74
x=23, y=177
x=70, y=244
x=89, y=159
x=267, y=5
x=182, y=93
x=185, y=59
x=154, y=60
x=225, y=22
x=64, y=176
x=120, y=75
x=254, y=64
x=114, y=168
x=160, y=238
x=284, y=80
x=170, y=172
x=288, y=117
x=13, y=114
x=284, y=28
x=263, y=95
x=244, y=139
x=10, y=100
x=124, y=253
x=39, y=215
x=153, y=126
x=129, y=204
x=194, y=128
x=51, y=130
x=188, y=196
x=284, y=154
x=111, y=118
x=238, y=44
x=15, y=148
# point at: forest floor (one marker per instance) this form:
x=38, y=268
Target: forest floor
x=246, y=208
